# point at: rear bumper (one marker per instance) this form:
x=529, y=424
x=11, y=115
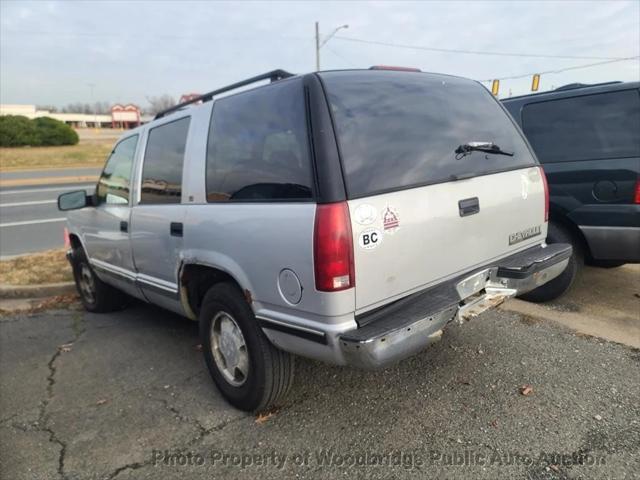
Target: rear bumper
x=405, y=327
x=613, y=243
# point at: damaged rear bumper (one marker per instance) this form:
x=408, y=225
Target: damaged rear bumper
x=405, y=327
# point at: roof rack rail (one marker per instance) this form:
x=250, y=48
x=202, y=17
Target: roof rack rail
x=273, y=75
x=572, y=86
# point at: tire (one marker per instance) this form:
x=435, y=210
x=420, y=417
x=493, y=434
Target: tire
x=258, y=375
x=606, y=263
x=95, y=295
x=559, y=285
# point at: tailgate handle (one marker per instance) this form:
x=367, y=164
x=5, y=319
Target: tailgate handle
x=176, y=229
x=469, y=206
x=124, y=226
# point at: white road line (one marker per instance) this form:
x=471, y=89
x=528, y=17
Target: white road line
x=24, y=204
x=32, y=222
x=49, y=189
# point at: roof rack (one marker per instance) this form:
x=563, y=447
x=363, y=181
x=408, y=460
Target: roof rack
x=273, y=76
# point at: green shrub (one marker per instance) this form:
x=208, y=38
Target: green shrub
x=17, y=131
x=55, y=132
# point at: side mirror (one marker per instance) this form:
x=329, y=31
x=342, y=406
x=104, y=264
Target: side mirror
x=73, y=200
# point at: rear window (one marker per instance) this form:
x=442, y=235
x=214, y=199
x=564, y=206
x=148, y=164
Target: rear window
x=258, y=149
x=589, y=127
x=400, y=129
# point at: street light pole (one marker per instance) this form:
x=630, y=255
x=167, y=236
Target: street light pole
x=319, y=45
x=95, y=113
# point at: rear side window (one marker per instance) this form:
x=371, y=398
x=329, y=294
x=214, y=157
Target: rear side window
x=258, y=148
x=163, y=161
x=589, y=127
x=398, y=130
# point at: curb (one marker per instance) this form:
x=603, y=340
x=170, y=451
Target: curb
x=36, y=291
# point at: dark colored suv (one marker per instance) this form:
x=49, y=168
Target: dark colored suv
x=587, y=138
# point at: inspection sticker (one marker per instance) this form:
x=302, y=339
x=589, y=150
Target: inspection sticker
x=390, y=220
x=370, y=238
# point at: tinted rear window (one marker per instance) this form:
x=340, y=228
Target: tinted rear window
x=400, y=129
x=589, y=127
x=258, y=149
x=163, y=161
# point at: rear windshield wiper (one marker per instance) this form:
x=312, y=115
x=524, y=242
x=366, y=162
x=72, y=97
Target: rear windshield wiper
x=487, y=147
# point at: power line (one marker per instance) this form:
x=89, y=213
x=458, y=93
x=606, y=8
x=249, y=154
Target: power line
x=469, y=52
x=560, y=70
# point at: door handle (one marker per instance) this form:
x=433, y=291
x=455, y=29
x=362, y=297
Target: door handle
x=176, y=229
x=124, y=226
x=469, y=206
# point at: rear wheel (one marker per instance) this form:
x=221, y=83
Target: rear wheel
x=95, y=295
x=559, y=285
x=248, y=370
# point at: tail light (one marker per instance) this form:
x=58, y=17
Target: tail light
x=333, y=248
x=67, y=240
x=546, y=194
x=636, y=194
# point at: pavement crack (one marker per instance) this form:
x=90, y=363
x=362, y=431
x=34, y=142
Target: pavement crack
x=42, y=423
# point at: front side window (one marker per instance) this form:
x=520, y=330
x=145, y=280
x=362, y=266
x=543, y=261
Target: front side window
x=588, y=127
x=258, y=148
x=163, y=161
x=115, y=182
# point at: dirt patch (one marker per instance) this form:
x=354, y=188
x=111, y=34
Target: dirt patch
x=37, y=269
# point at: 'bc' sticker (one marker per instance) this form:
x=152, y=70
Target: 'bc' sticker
x=370, y=238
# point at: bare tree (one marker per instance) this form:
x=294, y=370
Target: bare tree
x=160, y=103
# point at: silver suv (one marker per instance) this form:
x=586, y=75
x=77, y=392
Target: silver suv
x=345, y=216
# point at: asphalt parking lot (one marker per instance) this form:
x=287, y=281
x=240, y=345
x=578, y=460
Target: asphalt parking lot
x=128, y=396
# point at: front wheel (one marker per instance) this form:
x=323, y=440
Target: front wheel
x=559, y=285
x=95, y=295
x=248, y=370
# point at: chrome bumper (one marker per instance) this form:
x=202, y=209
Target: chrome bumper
x=409, y=325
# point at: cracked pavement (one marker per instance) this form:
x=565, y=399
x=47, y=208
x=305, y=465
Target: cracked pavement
x=127, y=396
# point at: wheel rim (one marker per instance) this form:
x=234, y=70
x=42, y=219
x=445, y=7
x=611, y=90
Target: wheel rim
x=229, y=349
x=87, y=284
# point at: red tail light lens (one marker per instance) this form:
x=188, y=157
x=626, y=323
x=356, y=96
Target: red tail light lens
x=546, y=194
x=636, y=195
x=333, y=248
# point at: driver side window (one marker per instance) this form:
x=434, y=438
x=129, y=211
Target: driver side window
x=115, y=182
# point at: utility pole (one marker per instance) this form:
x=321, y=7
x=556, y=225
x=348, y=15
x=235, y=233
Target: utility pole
x=95, y=113
x=317, y=47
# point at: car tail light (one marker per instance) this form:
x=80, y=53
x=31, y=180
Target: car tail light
x=67, y=240
x=333, y=248
x=636, y=195
x=545, y=184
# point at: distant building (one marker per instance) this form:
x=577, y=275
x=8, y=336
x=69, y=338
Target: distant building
x=122, y=116
x=187, y=97
x=125, y=116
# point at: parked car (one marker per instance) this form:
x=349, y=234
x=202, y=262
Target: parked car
x=345, y=216
x=587, y=137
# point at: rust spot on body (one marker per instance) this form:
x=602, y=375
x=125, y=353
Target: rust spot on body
x=248, y=297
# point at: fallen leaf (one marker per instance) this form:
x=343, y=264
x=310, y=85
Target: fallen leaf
x=554, y=468
x=263, y=417
x=66, y=347
x=526, y=390
x=101, y=401
x=494, y=423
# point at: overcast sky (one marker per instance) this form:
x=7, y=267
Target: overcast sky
x=51, y=50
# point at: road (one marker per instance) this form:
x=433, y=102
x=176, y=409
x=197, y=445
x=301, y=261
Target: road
x=29, y=217
x=127, y=396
